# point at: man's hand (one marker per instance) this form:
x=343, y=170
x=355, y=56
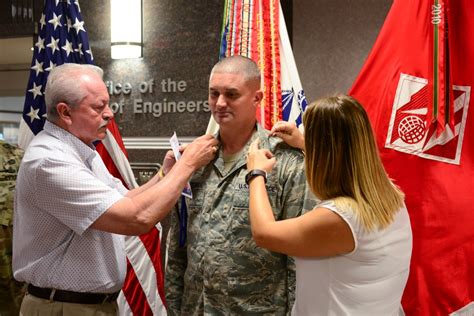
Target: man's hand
x=200, y=152
x=168, y=162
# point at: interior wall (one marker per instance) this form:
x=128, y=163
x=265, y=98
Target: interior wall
x=180, y=46
x=331, y=40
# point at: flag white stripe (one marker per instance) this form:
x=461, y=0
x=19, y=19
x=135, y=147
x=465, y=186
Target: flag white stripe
x=136, y=252
x=25, y=135
x=124, y=308
x=212, y=126
x=290, y=79
x=119, y=159
x=145, y=272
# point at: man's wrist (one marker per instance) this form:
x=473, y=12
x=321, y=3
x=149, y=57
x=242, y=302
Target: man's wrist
x=161, y=173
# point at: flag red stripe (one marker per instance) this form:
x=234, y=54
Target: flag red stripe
x=134, y=294
x=238, y=28
x=151, y=242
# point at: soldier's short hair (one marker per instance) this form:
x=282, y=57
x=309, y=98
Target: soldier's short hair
x=240, y=65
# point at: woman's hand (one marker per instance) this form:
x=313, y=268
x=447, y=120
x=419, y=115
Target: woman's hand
x=289, y=133
x=259, y=158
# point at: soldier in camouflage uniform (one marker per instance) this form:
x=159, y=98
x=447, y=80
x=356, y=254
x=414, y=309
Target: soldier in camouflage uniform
x=220, y=270
x=11, y=291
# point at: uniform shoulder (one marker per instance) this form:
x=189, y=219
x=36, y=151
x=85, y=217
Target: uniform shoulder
x=10, y=157
x=9, y=149
x=278, y=147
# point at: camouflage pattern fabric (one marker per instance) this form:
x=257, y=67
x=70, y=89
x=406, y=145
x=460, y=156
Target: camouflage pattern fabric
x=11, y=291
x=220, y=270
x=10, y=157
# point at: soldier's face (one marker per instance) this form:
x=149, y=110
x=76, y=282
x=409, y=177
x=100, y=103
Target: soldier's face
x=232, y=100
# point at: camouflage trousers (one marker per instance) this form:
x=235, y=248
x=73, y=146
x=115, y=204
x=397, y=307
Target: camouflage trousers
x=11, y=291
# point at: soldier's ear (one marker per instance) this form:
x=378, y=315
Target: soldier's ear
x=258, y=97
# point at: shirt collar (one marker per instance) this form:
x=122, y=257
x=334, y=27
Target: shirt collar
x=84, y=151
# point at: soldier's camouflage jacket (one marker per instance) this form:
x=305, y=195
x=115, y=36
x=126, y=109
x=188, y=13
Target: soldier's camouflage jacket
x=10, y=157
x=220, y=270
x=11, y=291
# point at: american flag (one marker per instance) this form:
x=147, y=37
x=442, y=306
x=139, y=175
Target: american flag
x=63, y=39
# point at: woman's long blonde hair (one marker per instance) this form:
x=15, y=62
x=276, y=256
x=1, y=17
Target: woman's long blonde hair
x=343, y=163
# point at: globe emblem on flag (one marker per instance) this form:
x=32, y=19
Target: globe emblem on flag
x=411, y=129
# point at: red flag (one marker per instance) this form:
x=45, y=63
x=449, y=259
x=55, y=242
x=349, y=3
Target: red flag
x=415, y=86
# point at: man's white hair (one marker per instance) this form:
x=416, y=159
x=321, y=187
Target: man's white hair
x=64, y=85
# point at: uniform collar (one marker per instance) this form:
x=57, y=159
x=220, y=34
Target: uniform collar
x=260, y=133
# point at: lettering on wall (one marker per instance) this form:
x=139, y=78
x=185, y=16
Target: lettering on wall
x=142, y=104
